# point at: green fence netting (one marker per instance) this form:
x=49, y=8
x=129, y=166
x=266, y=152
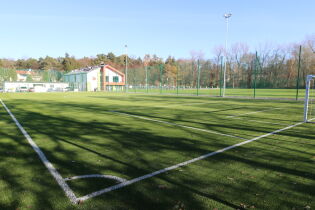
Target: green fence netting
x=251, y=76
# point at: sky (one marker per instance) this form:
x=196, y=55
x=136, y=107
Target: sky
x=37, y=28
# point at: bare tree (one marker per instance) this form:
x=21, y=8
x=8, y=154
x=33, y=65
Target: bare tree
x=310, y=40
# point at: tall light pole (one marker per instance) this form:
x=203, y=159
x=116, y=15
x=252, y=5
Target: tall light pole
x=126, y=69
x=226, y=16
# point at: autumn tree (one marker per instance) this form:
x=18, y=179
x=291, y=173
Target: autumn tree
x=69, y=63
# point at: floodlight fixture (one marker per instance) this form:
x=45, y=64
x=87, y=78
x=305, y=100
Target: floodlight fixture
x=227, y=15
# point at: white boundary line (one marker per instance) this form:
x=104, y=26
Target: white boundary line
x=175, y=124
x=311, y=120
x=132, y=181
x=261, y=121
x=251, y=113
x=196, y=103
x=189, y=104
x=116, y=178
x=44, y=159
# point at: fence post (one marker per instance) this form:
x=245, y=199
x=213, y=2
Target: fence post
x=134, y=79
x=192, y=75
x=161, y=77
x=146, y=77
x=298, y=75
x=220, y=76
x=198, y=77
x=126, y=71
x=177, y=78
x=255, y=74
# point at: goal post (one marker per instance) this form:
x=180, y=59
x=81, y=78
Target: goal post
x=308, y=102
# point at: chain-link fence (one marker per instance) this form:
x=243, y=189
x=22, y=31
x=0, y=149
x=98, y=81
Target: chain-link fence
x=7, y=75
x=13, y=75
x=250, y=76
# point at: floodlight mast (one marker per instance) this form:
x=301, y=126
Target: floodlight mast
x=226, y=16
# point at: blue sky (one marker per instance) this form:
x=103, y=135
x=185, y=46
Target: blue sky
x=36, y=28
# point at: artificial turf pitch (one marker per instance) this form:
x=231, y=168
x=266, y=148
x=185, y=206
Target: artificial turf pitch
x=113, y=134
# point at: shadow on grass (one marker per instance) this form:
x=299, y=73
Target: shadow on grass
x=126, y=151
x=25, y=183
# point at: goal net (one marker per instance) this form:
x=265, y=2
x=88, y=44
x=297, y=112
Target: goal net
x=309, y=106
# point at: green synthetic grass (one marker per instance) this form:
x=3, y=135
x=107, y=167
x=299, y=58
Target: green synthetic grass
x=80, y=134
x=241, y=92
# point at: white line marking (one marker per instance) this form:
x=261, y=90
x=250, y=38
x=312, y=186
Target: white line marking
x=170, y=105
x=162, y=106
x=311, y=120
x=124, y=184
x=96, y=176
x=196, y=103
x=189, y=104
x=261, y=121
x=251, y=113
x=184, y=126
x=43, y=158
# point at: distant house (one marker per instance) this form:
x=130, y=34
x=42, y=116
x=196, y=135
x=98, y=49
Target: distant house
x=100, y=78
x=23, y=74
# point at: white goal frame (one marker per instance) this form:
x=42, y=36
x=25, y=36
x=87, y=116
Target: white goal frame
x=309, y=78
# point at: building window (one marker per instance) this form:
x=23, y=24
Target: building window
x=107, y=78
x=115, y=79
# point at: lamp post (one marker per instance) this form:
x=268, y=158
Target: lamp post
x=226, y=16
x=126, y=69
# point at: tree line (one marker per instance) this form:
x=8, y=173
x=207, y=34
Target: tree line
x=273, y=67
x=67, y=62
x=269, y=67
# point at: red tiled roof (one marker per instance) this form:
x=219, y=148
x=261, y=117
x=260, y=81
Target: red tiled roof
x=24, y=72
x=115, y=70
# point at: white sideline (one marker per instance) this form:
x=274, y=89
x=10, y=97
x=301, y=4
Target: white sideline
x=311, y=120
x=43, y=158
x=196, y=103
x=96, y=176
x=184, y=126
x=170, y=105
x=251, y=113
x=261, y=121
x=124, y=184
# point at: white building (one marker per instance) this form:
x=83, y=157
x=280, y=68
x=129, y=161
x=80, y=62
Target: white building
x=35, y=86
x=100, y=78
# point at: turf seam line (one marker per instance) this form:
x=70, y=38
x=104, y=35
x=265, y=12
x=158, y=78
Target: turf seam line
x=116, y=178
x=178, y=125
x=251, y=113
x=53, y=171
x=132, y=181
